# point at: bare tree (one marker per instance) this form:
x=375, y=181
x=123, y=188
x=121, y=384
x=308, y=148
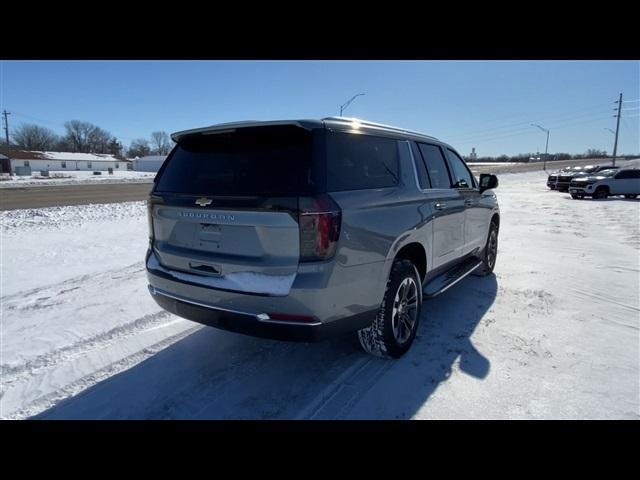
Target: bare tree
x=29, y=136
x=139, y=148
x=99, y=140
x=160, y=143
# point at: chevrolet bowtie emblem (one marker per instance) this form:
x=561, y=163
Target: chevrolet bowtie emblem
x=203, y=202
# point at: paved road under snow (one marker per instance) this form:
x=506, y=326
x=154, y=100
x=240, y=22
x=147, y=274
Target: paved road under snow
x=553, y=334
x=35, y=196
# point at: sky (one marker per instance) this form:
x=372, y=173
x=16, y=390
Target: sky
x=489, y=105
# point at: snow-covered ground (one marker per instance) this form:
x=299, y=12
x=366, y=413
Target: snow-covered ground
x=554, y=334
x=76, y=177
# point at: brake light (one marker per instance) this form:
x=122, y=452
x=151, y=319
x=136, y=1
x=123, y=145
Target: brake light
x=319, y=219
x=150, y=219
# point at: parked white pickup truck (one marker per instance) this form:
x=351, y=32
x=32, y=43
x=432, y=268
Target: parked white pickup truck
x=607, y=183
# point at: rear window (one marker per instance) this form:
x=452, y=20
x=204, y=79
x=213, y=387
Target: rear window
x=357, y=162
x=249, y=161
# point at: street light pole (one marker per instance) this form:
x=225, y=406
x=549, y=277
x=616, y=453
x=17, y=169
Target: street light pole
x=546, y=147
x=348, y=102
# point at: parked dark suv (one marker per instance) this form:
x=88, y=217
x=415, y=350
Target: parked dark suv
x=304, y=229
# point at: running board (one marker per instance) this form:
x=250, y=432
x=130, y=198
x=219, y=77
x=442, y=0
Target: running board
x=449, y=278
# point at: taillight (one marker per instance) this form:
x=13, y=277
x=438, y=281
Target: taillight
x=319, y=219
x=150, y=219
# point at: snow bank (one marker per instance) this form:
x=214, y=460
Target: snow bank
x=75, y=177
x=55, y=218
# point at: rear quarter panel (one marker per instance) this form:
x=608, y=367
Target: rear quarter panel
x=377, y=223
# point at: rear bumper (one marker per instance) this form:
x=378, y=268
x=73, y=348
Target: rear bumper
x=259, y=325
x=325, y=300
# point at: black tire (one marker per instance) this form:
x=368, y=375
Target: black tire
x=381, y=338
x=577, y=196
x=601, y=193
x=631, y=197
x=490, y=253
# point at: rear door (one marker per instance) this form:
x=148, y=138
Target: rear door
x=476, y=221
x=225, y=205
x=447, y=206
x=625, y=182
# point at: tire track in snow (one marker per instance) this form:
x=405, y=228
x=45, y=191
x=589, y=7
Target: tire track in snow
x=339, y=397
x=128, y=271
x=12, y=373
x=52, y=398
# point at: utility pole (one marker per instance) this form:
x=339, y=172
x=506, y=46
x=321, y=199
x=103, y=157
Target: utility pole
x=615, y=145
x=6, y=128
x=546, y=147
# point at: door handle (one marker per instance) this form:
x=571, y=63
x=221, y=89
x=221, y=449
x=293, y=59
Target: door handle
x=440, y=206
x=468, y=203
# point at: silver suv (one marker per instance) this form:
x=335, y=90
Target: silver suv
x=305, y=229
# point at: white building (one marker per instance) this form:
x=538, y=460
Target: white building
x=65, y=161
x=148, y=163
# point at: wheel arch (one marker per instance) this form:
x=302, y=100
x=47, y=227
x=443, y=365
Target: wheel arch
x=415, y=253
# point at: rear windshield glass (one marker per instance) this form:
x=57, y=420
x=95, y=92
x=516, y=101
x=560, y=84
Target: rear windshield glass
x=249, y=161
x=356, y=162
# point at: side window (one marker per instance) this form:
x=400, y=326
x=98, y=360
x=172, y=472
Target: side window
x=436, y=165
x=89, y=165
x=63, y=164
x=26, y=163
x=423, y=176
x=358, y=162
x=462, y=175
x=628, y=174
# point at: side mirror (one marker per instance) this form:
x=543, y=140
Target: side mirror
x=487, y=182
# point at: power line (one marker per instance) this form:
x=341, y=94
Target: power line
x=552, y=126
x=525, y=125
x=585, y=111
x=526, y=131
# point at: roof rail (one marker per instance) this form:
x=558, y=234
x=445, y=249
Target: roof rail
x=377, y=125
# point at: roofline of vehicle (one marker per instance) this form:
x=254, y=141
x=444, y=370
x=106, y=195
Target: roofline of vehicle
x=348, y=122
x=351, y=121
x=231, y=126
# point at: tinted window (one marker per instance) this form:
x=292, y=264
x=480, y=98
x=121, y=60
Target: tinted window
x=461, y=175
x=436, y=165
x=622, y=174
x=423, y=176
x=356, y=162
x=249, y=161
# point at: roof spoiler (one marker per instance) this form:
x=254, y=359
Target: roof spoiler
x=232, y=126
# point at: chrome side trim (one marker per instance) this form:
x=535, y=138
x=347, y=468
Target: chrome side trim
x=262, y=317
